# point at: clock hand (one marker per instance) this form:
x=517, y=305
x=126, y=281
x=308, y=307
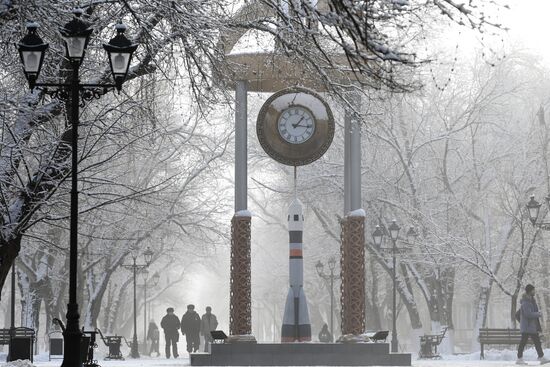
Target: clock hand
x=298, y=123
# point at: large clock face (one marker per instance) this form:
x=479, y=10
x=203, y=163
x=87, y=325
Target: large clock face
x=296, y=125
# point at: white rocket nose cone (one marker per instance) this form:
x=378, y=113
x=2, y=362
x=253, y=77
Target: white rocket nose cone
x=295, y=208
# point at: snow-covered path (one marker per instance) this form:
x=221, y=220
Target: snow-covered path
x=493, y=358
x=185, y=362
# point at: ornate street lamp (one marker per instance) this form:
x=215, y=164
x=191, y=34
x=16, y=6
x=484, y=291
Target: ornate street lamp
x=319, y=267
x=412, y=235
x=120, y=51
x=76, y=34
x=533, y=207
x=377, y=237
x=156, y=278
x=32, y=50
x=394, y=231
x=148, y=255
x=329, y=278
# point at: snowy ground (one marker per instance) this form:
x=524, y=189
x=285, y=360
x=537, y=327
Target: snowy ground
x=492, y=358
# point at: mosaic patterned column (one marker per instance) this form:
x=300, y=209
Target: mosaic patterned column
x=352, y=265
x=240, y=299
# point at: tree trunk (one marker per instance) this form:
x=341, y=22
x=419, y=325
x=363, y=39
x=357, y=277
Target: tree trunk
x=30, y=302
x=371, y=303
x=482, y=308
x=9, y=249
x=446, y=307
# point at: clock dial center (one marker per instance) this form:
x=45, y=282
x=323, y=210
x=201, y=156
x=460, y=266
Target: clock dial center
x=296, y=125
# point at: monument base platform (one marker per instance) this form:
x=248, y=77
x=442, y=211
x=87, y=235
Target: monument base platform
x=300, y=354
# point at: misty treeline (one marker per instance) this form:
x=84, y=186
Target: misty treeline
x=154, y=160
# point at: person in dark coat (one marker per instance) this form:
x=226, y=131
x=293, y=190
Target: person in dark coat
x=209, y=323
x=324, y=335
x=171, y=323
x=153, y=335
x=191, y=327
x=529, y=324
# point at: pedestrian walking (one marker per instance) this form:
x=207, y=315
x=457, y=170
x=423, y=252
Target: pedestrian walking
x=529, y=325
x=209, y=323
x=153, y=335
x=191, y=327
x=171, y=324
x=324, y=335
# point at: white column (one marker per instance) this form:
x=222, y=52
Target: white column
x=352, y=156
x=347, y=163
x=241, y=171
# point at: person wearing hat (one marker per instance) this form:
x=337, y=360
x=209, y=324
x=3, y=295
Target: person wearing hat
x=529, y=324
x=191, y=327
x=171, y=324
x=209, y=323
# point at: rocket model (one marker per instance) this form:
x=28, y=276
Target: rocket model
x=296, y=326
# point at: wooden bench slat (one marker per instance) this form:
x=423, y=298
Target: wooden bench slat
x=5, y=334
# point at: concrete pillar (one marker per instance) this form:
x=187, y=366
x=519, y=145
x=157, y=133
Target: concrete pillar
x=352, y=157
x=347, y=163
x=241, y=170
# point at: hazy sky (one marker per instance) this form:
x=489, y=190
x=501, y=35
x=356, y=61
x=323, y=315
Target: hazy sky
x=529, y=23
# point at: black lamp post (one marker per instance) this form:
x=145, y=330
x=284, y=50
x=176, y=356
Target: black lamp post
x=12, y=309
x=329, y=278
x=377, y=236
x=76, y=34
x=148, y=255
x=154, y=281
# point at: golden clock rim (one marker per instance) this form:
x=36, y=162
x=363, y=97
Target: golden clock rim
x=303, y=153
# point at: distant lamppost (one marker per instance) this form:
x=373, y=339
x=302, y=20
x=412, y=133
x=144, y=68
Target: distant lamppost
x=154, y=282
x=76, y=34
x=329, y=278
x=377, y=237
x=148, y=255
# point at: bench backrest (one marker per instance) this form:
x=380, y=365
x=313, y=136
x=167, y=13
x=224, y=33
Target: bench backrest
x=5, y=334
x=487, y=335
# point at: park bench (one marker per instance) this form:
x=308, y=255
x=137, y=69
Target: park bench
x=499, y=337
x=218, y=336
x=4, y=336
x=113, y=342
x=56, y=345
x=22, y=345
x=87, y=345
x=378, y=336
x=429, y=344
